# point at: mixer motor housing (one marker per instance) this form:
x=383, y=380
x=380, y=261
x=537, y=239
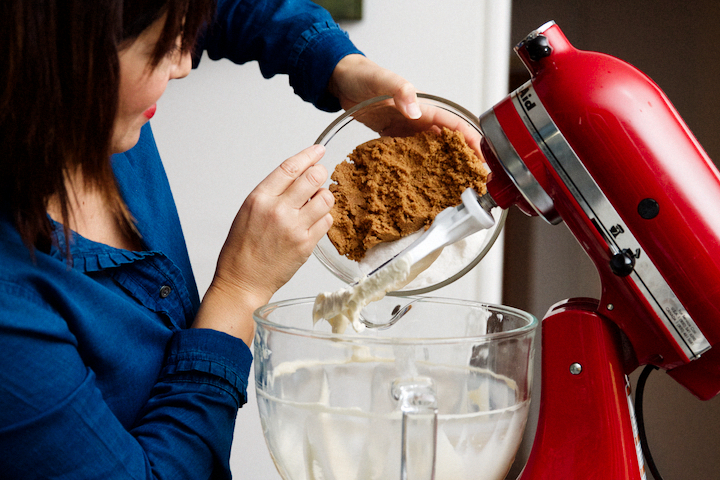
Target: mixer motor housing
x=592, y=141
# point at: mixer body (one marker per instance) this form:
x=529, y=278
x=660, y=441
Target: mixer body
x=593, y=142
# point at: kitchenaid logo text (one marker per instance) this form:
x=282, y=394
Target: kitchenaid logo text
x=526, y=99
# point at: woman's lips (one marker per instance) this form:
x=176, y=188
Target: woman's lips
x=150, y=111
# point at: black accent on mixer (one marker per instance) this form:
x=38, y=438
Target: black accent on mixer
x=648, y=208
x=623, y=263
x=538, y=48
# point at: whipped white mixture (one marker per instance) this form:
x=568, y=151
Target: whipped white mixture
x=342, y=308
x=453, y=258
x=317, y=439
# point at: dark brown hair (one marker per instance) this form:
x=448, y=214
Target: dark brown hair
x=59, y=77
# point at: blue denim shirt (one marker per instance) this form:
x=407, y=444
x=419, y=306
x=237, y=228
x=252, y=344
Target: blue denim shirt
x=99, y=375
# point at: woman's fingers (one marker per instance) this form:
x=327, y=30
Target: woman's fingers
x=316, y=213
x=305, y=186
x=405, y=98
x=295, y=187
x=294, y=168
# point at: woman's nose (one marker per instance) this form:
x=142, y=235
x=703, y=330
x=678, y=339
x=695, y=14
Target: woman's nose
x=183, y=65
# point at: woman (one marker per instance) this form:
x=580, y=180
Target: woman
x=110, y=367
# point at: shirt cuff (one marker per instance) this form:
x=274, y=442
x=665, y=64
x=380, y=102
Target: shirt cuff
x=313, y=59
x=210, y=353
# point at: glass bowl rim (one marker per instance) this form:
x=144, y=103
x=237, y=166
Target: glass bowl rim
x=260, y=314
x=500, y=224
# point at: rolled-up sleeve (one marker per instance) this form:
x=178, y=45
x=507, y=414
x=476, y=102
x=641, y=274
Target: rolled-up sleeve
x=209, y=357
x=201, y=387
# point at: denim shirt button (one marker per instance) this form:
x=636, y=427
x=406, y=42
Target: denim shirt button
x=165, y=291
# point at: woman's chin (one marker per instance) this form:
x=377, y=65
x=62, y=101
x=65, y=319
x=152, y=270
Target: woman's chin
x=125, y=143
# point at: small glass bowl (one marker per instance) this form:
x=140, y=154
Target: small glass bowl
x=361, y=124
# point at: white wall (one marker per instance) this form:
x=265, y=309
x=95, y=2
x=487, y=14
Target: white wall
x=224, y=128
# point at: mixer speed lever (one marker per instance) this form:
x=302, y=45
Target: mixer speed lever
x=623, y=263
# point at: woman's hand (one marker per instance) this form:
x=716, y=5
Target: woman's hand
x=356, y=79
x=272, y=235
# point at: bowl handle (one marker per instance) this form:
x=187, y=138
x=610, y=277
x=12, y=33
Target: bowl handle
x=418, y=403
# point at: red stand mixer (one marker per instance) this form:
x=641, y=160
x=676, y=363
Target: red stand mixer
x=593, y=142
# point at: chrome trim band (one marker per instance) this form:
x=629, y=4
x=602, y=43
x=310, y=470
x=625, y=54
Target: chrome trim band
x=606, y=219
x=516, y=168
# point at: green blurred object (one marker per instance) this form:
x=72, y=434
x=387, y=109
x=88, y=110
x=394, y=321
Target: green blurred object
x=342, y=9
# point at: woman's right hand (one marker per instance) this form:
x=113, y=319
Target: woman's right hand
x=272, y=235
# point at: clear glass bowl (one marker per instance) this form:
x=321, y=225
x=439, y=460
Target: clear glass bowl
x=361, y=124
x=443, y=394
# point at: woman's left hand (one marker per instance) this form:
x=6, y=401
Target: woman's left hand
x=356, y=79
x=272, y=235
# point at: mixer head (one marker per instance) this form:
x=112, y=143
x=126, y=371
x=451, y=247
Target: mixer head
x=592, y=141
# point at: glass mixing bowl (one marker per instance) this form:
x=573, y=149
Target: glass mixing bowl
x=361, y=124
x=443, y=394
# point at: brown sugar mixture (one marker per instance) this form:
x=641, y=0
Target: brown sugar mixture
x=394, y=186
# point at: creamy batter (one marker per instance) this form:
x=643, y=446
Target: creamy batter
x=316, y=439
x=451, y=261
x=343, y=307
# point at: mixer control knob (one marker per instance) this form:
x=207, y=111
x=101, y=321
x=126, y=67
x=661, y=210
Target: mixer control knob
x=648, y=208
x=538, y=48
x=622, y=263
